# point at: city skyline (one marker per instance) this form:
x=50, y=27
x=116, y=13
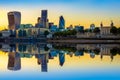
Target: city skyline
x=75, y=12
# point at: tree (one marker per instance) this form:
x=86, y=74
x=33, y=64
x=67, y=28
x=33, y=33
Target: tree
x=65, y=33
x=73, y=32
x=46, y=48
x=86, y=30
x=96, y=51
x=114, y=51
x=118, y=30
x=96, y=30
x=0, y=34
x=46, y=33
x=113, y=30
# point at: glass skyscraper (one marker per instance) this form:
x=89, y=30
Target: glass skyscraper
x=44, y=19
x=61, y=23
x=14, y=19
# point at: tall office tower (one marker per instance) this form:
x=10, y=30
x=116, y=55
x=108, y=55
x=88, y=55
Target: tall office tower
x=14, y=61
x=61, y=23
x=14, y=20
x=44, y=19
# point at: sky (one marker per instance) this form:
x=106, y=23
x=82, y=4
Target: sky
x=75, y=12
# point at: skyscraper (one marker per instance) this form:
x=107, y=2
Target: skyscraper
x=14, y=20
x=61, y=23
x=44, y=19
x=42, y=59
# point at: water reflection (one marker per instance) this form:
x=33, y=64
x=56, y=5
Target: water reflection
x=44, y=52
x=14, y=61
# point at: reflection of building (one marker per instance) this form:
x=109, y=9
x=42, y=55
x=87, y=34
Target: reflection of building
x=43, y=60
x=61, y=23
x=50, y=56
x=22, y=48
x=6, y=48
x=14, y=61
x=53, y=52
x=6, y=33
x=14, y=19
x=79, y=53
x=61, y=58
x=92, y=54
x=105, y=51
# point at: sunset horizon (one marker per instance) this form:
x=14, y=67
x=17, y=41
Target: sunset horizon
x=60, y=39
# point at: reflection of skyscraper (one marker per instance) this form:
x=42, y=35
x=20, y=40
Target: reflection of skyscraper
x=14, y=19
x=44, y=19
x=61, y=58
x=14, y=61
x=61, y=23
x=44, y=63
x=42, y=59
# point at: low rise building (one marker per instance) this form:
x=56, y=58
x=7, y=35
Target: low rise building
x=6, y=33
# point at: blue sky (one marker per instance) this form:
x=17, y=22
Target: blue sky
x=76, y=12
x=83, y=2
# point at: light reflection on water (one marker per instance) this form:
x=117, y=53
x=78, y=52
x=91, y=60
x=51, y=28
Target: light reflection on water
x=60, y=61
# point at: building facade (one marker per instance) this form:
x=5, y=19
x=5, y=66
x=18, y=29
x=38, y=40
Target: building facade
x=44, y=19
x=61, y=23
x=14, y=20
x=105, y=30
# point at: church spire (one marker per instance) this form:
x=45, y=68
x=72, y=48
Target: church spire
x=101, y=24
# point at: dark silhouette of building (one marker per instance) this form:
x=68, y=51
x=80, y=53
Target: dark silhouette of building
x=112, y=24
x=14, y=19
x=38, y=20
